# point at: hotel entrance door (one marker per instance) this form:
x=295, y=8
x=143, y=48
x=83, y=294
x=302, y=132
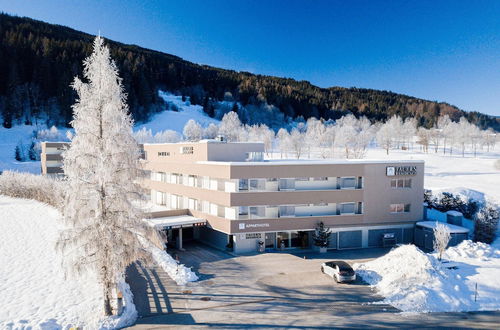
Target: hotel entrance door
x=270, y=240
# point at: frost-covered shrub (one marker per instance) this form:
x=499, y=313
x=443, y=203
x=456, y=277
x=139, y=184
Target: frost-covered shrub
x=485, y=224
x=30, y=186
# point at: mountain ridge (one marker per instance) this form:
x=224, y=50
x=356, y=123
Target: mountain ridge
x=39, y=60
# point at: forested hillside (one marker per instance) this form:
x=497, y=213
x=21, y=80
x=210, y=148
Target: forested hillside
x=39, y=60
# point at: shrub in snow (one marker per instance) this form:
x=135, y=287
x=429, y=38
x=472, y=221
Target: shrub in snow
x=442, y=237
x=30, y=186
x=485, y=224
x=449, y=202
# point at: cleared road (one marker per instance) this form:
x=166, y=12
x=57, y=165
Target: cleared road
x=274, y=291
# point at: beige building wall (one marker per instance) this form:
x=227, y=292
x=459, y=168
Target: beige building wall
x=376, y=194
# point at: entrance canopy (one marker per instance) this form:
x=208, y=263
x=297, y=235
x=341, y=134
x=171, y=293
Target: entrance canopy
x=178, y=221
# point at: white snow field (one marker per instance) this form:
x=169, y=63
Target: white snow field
x=453, y=172
x=34, y=293
x=175, y=120
x=414, y=281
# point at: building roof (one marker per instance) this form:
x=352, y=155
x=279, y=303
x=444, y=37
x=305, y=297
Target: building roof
x=310, y=161
x=454, y=229
x=179, y=221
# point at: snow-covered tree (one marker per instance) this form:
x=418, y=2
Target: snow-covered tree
x=462, y=134
x=143, y=135
x=283, y=139
x=101, y=167
x=423, y=138
x=443, y=125
x=330, y=138
x=230, y=126
x=489, y=139
x=409, y=131
x=211, y=131
x=296, y=142
x=385, y=137
x=442, y=237
x=167, y=136
x=192, y=130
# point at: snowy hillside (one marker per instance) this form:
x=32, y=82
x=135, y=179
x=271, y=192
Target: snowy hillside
x=34, y=292
x=175, y=120
x=9, y=138
x=413, y=281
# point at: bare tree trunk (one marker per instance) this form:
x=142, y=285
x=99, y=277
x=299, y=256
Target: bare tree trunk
x=108, y=311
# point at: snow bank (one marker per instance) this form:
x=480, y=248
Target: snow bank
x=413, y=281
x=34, y=290
x=178, y=272
x=175, y=120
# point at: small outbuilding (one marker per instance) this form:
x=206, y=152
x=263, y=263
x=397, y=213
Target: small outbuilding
x=424, y=234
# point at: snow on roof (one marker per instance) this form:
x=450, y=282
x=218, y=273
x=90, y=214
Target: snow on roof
x=175, y=221
x=311, y=161
x=454, y=213
x=454, y=229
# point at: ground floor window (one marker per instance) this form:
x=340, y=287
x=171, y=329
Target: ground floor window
x=292, y=239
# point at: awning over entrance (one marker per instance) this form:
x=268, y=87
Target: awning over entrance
x=178, y=221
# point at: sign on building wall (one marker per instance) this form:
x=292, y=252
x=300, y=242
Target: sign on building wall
x=401, y=170
x=243, y=226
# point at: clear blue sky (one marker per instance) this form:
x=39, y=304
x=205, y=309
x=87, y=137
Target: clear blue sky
x=438, y=50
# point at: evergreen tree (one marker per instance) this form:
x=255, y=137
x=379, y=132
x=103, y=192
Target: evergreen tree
x=321, y=235
x=101, y=167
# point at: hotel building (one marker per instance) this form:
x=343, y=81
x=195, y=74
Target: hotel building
x=237, y=199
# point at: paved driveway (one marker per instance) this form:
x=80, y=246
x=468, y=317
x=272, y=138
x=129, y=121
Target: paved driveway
x=273, y=290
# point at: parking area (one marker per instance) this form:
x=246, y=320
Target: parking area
x=273, y=290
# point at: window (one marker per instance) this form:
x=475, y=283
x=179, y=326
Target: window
x=399, y=208
x=243, y=210
x=257, y=184
x=243, y=185
x=287, y=184
x=401, y=183
x=321, y=179
x=286, y=211
x=257, y=211
x=348, y=183
x=347, y=208
x=187, y=150
x=407, y=208
x=163, y=153
x=283, y=239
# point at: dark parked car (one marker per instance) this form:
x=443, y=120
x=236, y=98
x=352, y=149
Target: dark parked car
x=340, y=271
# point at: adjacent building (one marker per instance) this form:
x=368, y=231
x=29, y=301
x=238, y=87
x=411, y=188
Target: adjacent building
x=245, y=199
x=51, y=158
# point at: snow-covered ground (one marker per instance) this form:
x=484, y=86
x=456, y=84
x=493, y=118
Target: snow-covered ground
x=34, y=292
x=413, y=281
x=175, y=120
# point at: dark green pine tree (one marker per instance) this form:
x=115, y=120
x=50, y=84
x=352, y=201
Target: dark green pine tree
x=321, y=235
